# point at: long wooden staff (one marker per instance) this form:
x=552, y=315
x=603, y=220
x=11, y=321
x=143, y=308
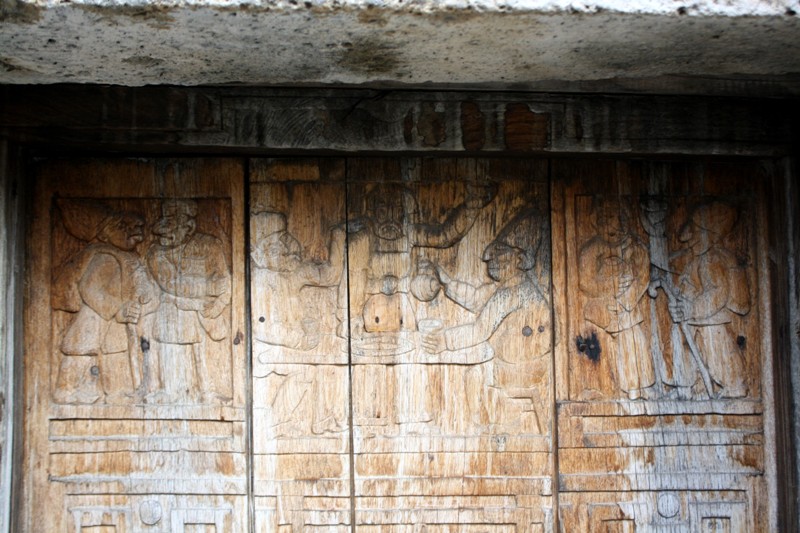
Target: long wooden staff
x=655, y=212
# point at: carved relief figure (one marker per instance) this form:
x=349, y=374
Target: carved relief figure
x=384, y=319
x=193, y=316
x=510, y=259
x=282, y=318
x=614, y=276
x=107, y=288
x=285, y=318
x=711, y=288
x=390, y=234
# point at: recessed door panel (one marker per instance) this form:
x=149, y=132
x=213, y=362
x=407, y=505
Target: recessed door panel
x=298, y=288
x=450, y=333
x=661, y=418
x=135, y=411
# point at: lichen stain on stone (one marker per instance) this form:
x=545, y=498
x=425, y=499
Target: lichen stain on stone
x=369, y=55
x=526, y=130
x=143, y=61
x=156, y=16
x=375, y=17
x=19, y=12
x=8, y=65
x=473, y=125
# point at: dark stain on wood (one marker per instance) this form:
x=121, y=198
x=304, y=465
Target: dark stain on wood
x=473, y=126
x=431, y=125
x=408, y=127
x=589, y=346
x=526, y=130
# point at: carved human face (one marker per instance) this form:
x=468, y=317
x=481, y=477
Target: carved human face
x=612, y=224
x=388, y=214
x=282, y=252
x=174, y=227
x=695, y=237
x=502, y=261
x=123, y=231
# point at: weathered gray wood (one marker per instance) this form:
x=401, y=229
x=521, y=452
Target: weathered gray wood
x=261, y=120
x=12, y=201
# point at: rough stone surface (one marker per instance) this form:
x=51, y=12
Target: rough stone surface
x=492, y=43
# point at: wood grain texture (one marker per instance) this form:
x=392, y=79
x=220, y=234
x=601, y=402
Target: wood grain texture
x=298, y=290
x=134, y=385
x=662, y=366
x=451, y=344
x=261, y=120
x=437, y=344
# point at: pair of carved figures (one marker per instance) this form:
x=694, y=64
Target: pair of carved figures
x=389, y=279
x=706, y=288
x=141, y=325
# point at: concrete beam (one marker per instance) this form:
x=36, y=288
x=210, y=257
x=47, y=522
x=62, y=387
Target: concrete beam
x=605, y=45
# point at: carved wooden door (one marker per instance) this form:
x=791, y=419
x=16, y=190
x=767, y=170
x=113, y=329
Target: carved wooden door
x=403, y=345
x=662, y=386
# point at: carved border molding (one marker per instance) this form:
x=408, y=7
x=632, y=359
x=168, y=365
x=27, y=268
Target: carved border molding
x=257, y=120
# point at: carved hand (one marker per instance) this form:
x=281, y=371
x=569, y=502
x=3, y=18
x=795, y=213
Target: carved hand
x=129, y=313
x=625, y=281
x=212, y=306
x=443, y=276
x=479, y=195
x=434, y=342
x=680, y=310
x=218, y=285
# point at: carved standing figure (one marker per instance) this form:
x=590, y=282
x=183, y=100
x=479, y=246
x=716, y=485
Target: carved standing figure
x=712, y=288
x=281, y=318
x=386, y=236
x=513, y=374
x=381, y=247
x=614, y=273
x=195, y=281
x=108, y=289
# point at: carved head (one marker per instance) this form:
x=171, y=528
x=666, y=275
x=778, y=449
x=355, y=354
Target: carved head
x=502, y=261
x=515, y=247
x=708, y=224
x=123, y=230
x=388, y=207
x=177, y=223
x=612, y=220
x=275, y=248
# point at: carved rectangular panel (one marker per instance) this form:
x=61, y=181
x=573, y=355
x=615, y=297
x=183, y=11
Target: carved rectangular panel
x=662, y=367
x=450, y=339
x=134, y=385
x=298, y=287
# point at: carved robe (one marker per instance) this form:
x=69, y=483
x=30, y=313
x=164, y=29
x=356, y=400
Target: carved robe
x=717, y=289
x=196, y=289
x=97, y=285
x=614, y=277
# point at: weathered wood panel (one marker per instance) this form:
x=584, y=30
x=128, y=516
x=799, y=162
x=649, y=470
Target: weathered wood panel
x=134, y=386
x=347, y=120
x=301, y=426
x=450, y=334
x=407, y=370
x=661, y=372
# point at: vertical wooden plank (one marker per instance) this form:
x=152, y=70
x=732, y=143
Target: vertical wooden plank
x=301, y=428
x=450, y=328
x=660, y=411
x=134, y=366
x=12, y=250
